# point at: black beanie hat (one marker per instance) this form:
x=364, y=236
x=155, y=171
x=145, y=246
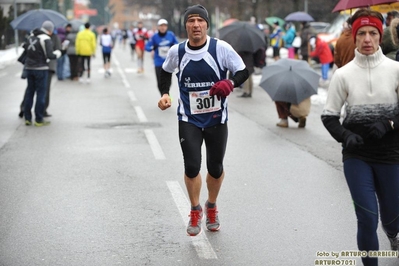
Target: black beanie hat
x=196, y=11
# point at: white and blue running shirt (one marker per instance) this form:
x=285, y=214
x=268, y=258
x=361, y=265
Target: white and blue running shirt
x=198, y=71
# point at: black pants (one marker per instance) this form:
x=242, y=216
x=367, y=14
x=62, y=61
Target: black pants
x=191, y=139
x=84, y=59
x=74, y=66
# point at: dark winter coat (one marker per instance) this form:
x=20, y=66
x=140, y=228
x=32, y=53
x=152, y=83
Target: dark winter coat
x=40, y=50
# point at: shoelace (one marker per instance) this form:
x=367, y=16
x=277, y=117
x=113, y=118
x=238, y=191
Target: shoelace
x=211, y=214
x=195, y=216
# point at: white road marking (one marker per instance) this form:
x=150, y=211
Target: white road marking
x=151, y=138
x=200, y=242
x=130, y=70
x=132, y=96
x=140, y=114
x=102, y=71
x=154, y=144
x=120, y=71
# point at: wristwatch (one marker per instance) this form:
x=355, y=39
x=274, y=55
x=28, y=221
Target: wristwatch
x=392, y=124
x=232, y=82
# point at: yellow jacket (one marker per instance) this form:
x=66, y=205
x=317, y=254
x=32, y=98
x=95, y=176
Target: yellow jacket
x=85, y=43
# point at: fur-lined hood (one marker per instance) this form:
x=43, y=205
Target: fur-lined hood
x=394, y=28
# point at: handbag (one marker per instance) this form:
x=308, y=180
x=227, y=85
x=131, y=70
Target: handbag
x=22, y=57
x=297, y=42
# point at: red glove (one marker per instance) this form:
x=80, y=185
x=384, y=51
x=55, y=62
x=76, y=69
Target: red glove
x=222, y=88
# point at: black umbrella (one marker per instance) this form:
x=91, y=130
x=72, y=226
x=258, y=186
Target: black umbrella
x=289, y=80
x=243, y=37
x=34, y=19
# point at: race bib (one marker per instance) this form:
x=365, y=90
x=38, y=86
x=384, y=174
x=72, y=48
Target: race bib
x=201, y=102
x=163, y=51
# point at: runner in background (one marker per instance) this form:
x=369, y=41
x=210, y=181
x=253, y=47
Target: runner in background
x=160, y=44
x=106, y=44
x=132, y=41
x=141, y=36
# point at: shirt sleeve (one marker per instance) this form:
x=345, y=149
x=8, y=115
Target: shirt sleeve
x=149, y=46
x=228, y=57
x=336, y=96
x=172, y=59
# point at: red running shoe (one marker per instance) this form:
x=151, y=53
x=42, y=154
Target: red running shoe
x=194, y=225
x=212, y=219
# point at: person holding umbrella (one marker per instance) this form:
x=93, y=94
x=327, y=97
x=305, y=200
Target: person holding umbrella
x=202, y=63
x=368, y=87
x=286, y=109
x=249, y=62
x=39, y=51
x=288, y=38
x=308, y=34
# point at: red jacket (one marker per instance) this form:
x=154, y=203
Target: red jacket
x=322, y=51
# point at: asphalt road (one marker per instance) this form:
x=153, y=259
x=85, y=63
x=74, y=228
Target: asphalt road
x=103, y=184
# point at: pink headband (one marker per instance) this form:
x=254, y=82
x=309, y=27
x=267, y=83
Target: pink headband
x=366, y=21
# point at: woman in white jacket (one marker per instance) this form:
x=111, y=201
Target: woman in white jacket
x=369, y=86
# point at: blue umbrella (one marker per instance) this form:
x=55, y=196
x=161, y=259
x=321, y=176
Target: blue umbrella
x=34, y=19
x=299, y=16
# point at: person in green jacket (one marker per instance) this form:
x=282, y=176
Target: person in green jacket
x=85, y=49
